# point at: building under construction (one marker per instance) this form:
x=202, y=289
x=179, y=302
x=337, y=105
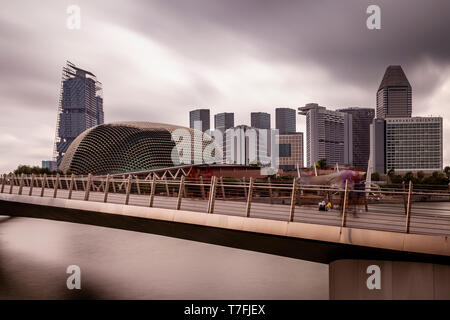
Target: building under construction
x=80, y=107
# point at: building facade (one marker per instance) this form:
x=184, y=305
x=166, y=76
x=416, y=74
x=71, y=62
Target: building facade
x=394, y=95
x=260, y=120
x=199, y=119
x=361, y=120
x=329, y=135
x=290, y=155
x=377, y=161
x=414, y=144
x=80, y=107
x=223, y=121
x=285, y=120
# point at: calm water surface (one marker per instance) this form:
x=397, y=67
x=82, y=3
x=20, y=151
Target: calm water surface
x=119, y=264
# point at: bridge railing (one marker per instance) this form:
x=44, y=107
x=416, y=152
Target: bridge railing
x=270, y=199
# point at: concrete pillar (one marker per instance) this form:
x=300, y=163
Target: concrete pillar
x=385, y=280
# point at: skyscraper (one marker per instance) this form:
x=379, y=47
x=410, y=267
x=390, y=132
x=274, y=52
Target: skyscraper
x=361, y=120
x=199, y=115
x=80, y=107
x=329, y=135
x=285, y=120
x=394, y=95
x=223, y=121
x=260, y=120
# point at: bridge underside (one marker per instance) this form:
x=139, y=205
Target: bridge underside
x=238, y=232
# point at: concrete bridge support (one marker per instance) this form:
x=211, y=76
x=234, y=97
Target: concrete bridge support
x=379, y=280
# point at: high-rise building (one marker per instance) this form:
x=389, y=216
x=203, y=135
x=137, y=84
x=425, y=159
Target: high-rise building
x=80, y=107
x=223, y=121
x=329, y=135
x=49, y=164
x=260, y=120
x=290, y=156
x=394, y=96
x=285, y=120
x=361, y=120
x=414, y=144
x=200, y=118
x=377, y=158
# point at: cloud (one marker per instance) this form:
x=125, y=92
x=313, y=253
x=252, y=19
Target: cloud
x=159, y=59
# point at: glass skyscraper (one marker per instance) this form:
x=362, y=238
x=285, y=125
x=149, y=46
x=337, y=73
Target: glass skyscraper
x=285, y=120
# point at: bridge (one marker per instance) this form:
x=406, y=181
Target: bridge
x=397, y=229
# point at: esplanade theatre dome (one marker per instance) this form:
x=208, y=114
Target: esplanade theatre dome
x=132, y=146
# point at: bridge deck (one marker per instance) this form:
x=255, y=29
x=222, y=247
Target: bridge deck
x=385, y=217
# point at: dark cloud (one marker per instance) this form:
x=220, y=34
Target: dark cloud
x=296, y=50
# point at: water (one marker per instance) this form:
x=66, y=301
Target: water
x=119, y=264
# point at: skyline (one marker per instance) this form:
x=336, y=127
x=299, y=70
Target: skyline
x=148, y=63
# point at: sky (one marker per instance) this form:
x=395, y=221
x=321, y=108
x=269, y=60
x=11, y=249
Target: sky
x=158, y=60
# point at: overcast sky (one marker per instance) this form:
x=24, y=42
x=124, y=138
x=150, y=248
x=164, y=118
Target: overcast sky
x=159, y=59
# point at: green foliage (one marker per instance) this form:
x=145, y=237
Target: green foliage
x=35, y=169
x=375, y=176
x=321, y=164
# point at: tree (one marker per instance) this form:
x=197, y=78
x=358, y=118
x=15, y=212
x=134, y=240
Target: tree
x=409, y=176
x=375, y=176
x=447, y=170
x=321, y=164
x=420, y=176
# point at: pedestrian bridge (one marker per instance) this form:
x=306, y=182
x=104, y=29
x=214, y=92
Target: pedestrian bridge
x=409, y=240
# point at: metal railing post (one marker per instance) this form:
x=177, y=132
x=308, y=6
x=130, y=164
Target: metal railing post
x=180, y=192
x=405, y=204
x=344, y=205
x=43, y=183
x=30, y=193
x=152, y=191
x=293, y=199
x=202, y=188
x=72, y=183
x=408, y=212
x=249, y=198
x=167, y=186
x=22, y=177
x=3, y=182
x=212, y=195
x=127, y=196
x=106, y=189
x=56, y=185
x=245, y=187
x=222, y=187
x=137, y=185
x=87, y=189
x=270, y=190
x=11, y=183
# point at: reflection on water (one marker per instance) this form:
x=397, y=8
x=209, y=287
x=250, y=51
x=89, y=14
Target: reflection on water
x=118, y=264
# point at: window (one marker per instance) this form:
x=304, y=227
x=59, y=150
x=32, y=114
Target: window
x=285, y=150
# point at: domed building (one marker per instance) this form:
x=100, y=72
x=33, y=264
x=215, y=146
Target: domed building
x=134, y=146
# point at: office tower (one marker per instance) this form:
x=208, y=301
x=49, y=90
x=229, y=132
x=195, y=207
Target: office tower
x=414, y=144
x=285, y=120
x=377, y=157
x=201, y=116
x=290, y=154
x=328, y=135
x=361, y=120
x=223, y=121
x=80, y=107
x=394, y=96
x=260, y=120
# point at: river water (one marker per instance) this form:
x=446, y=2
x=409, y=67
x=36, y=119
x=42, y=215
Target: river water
x=119, y=264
